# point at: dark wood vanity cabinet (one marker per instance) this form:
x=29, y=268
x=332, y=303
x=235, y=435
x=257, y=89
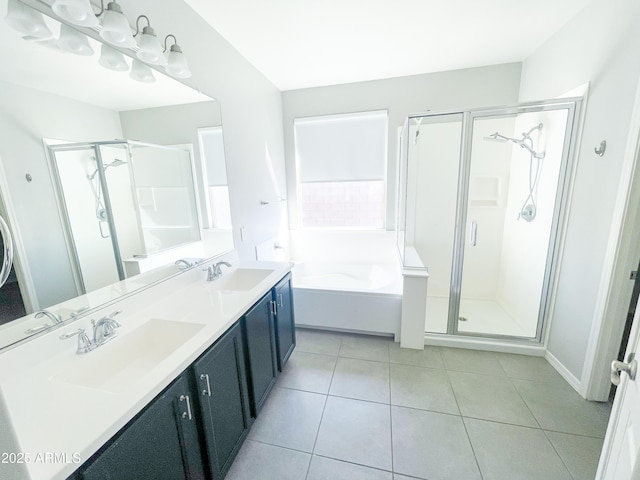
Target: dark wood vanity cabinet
x=285, y=322
x=161, y=442
x=223, y=400
x=270, y=338
x=259, y=330
x=196, y=426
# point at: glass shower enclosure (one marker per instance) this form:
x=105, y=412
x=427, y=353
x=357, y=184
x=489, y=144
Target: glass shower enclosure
x=119, y=201
x=482, y=196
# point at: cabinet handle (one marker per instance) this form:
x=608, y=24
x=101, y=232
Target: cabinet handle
x=186, y=414
x=274, y=308
x=280, y=301
x=205, y=376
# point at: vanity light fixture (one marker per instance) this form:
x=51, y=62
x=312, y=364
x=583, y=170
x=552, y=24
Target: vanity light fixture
x=112, y=59
x=176, y=62
x=26, y=20
x=149, y=46
x=73, y=41
x=115, y=27
x=77, y=12
x=141, y=72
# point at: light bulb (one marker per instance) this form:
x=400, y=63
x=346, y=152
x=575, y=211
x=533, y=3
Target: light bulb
x=112, y=59
x=115, y=28
x=78, y=12
x=141, y=72
x=74, y=42
x=26, y=20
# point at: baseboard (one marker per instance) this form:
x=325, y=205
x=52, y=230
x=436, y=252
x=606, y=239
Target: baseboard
x=491, y=345
x=566, y=374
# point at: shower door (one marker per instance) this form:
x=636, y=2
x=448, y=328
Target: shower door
x=481, y=196
x=513, y=179
x=89, y=190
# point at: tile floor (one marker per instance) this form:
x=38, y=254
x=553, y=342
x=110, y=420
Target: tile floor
x=351, y=407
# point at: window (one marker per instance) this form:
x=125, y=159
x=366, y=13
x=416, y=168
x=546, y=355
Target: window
x=341, y=163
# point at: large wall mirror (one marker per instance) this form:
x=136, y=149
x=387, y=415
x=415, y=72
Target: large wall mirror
x=105, y=181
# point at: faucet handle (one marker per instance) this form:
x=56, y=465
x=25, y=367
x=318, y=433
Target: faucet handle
x=84, y=344
x=210, y=272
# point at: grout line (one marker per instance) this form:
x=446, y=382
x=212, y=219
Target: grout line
x=315, y=440
x=524, y=401
x=279, y=446
x=390, y=410
x=453, y=392
x=558, y=454
x=464, y=425
x=473, y=450
x=356, y=463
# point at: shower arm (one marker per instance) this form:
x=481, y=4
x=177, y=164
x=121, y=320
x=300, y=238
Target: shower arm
x=523, y=143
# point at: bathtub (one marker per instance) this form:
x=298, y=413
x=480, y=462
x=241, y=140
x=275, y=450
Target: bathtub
x=352, y=297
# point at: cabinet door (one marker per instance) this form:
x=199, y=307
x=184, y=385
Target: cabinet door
x=162, y=442
x=261, y=351
x=285, y=322
x=223, y=400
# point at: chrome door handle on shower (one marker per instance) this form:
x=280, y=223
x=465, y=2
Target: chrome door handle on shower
x=474, y=233
x=102, y=234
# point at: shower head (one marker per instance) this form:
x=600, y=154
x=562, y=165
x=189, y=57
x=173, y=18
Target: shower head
x=522, y=143
x=496, y=137
x=116, y=163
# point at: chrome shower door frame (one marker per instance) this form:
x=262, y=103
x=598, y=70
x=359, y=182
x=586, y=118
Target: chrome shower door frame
x=573, y=107
x=71, y=247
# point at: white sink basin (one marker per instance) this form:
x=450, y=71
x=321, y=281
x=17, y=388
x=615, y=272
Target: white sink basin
x=241, y=279
x=117, y=365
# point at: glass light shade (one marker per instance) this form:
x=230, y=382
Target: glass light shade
x=74, y=42
x=26, y=20
x=115, y=28
x=78, y=12
x=112, y=59
x=177, y=63
x=141, y=72
x=150, y=49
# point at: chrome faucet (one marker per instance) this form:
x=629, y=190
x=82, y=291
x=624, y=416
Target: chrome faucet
x=215, y=271
x=46, y=313
x=105, y=329
x=84, y=344
x=184, y=263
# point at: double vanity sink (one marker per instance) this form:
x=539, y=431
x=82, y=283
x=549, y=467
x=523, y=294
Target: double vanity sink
x=56, y=401
x=114, y=366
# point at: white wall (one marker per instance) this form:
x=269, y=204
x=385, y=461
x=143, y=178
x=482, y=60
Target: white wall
x=600, y=46
x=26, y=116
x=484, y=86
x=251, y=111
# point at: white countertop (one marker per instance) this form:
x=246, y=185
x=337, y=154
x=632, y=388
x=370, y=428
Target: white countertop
x=54, y=426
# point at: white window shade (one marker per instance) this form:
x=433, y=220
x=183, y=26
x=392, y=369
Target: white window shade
x=349, y=147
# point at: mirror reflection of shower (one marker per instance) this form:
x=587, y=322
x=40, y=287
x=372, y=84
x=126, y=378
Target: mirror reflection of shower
x=147, y=207
x=529, y=208
x=96, y=188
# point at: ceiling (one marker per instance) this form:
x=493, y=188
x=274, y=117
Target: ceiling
x=310, y=43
